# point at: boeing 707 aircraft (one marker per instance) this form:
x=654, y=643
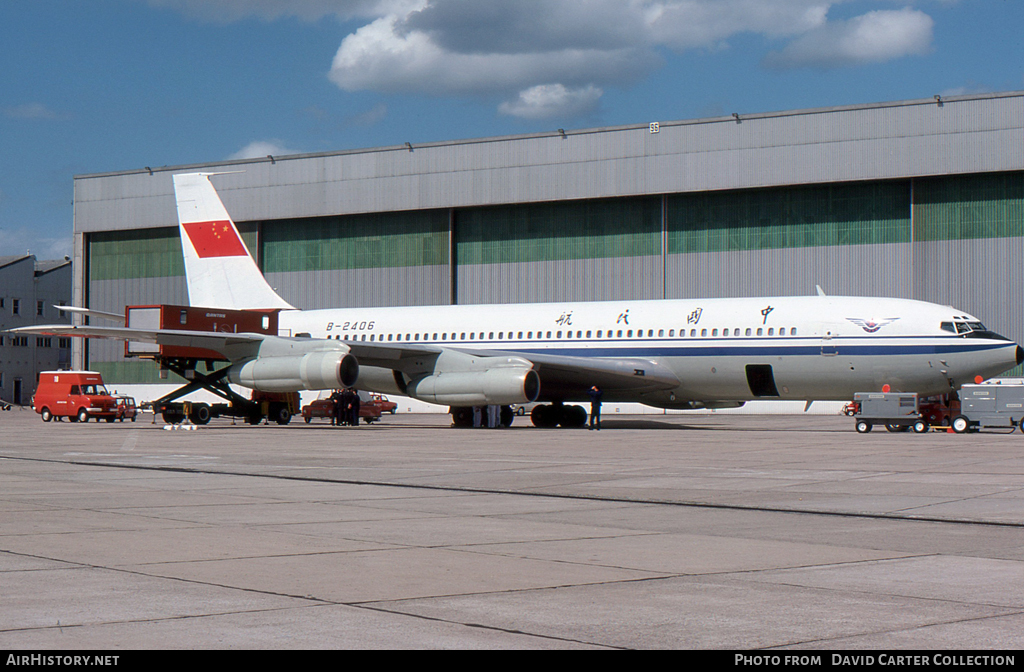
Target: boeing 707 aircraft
x=677, y=354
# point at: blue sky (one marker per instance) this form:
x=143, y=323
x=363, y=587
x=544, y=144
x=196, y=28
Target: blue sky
x=109, y=85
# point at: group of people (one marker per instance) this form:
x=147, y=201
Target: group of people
x=487, y=416
x=346, y=407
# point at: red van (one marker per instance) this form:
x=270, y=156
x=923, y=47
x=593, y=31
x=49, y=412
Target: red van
x=76, y=395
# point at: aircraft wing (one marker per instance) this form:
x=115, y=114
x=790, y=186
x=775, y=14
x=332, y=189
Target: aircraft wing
x=561, y=377
x=233, y=346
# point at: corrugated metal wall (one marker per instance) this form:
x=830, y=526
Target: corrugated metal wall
x=562, y=280
x=569, y=251
x=381, y=259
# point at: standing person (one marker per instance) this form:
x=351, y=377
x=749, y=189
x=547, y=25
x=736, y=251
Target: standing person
x=355, y=408
x=595, y=407
x=344, y=407
x=335, y=408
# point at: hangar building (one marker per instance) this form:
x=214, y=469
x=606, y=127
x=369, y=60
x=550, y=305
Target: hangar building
x=915, y=199
x=30, y=290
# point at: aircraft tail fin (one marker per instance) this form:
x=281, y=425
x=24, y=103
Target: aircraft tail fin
x=219, y=270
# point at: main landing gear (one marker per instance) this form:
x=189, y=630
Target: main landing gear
x=559, y=415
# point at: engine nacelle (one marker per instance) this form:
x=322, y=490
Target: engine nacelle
x=504, y=385
x=313, y=371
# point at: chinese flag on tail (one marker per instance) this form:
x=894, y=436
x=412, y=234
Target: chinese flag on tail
x=215, y=239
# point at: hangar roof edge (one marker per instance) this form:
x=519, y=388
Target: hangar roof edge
x=731, y=118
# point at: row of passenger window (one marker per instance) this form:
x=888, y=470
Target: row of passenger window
x=579, y=334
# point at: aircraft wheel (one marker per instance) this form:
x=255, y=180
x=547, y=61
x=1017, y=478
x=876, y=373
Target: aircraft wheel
x=546, y=416
x=863, y=426
x=573, y=417
x=920, y=427
x=462, y=416
x=960, y=424
x=47, y=416
x=507, y=416
x=83, y=415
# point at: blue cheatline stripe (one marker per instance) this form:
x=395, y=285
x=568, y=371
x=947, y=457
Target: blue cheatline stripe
x=815, y=349
x=731, y=346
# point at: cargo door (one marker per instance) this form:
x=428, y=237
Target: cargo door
x=145, y=317
x=761, y=380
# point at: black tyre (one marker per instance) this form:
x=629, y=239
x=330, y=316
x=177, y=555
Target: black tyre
x=920, y=427
x=863, y=426
x=546, y=416
x=83, y=415
x=506, y=416
x=200, y=414
x=172, y=417
x=45, y=414
x=960, y=424
x=573, y=417
x=462, y=416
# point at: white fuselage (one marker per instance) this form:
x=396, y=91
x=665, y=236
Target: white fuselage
x=811, y=347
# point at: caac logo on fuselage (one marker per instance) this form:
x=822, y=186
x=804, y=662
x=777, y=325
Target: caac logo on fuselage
x=872, y=325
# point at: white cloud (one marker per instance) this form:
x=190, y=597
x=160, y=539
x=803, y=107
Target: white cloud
x=558, y=55
x=530, y=48
x=380, y=57
x=874, y=37
x=687, y=24
x=31, y=111
x=545, y=101
x=262, y=148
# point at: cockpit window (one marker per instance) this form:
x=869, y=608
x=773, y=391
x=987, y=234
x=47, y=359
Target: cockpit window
x=969, y=330
x=966, y=327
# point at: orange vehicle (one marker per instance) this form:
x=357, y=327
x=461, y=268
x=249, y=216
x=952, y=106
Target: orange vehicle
x=385, y=404
x=370, y=408
x=76, y=395
x=124, y=406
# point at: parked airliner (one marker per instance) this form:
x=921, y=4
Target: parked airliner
x=680, y=353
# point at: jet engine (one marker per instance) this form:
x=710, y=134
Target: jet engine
x=290, y=373
x=478, y=388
